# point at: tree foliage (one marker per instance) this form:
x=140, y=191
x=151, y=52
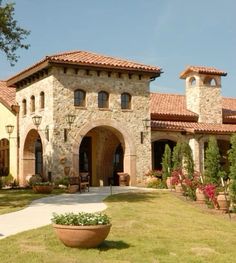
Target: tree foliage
x=187, y=157
x=232, y=168
x=212, y=162
x=166, y=162
x=177, y=157
x=11, y=35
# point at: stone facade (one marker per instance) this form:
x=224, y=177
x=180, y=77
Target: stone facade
x=59, y=86
x=204, y=97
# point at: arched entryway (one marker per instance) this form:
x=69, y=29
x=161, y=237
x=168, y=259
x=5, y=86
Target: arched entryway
x=158, y=148
x=32, y=154
x=103, y=148
x=101, y=155
x=4, y=157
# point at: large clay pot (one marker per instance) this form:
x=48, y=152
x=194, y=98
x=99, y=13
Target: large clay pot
x=82, y=236
x=223, y=201
x=168, y=183
x=200, y=197
x=43, y=189
x=179, y=188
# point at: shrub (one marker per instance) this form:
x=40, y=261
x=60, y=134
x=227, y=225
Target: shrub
x=156, y=183
x=80, y=219
x=36, y=178
x=166, y=162
x=154, y=173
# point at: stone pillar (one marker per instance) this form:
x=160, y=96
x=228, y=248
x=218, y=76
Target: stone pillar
x=195, y=146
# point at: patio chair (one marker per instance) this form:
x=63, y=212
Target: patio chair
x=84, y=179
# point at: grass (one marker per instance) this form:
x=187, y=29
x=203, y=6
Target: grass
x=12, y=200
x=152, y=227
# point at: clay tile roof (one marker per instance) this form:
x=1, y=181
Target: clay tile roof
x=86, y=59
x=193, y=127
x=7, y=94
x=202, y=70
x=170, y=106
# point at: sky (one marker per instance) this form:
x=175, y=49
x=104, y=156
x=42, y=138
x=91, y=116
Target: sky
x=171, y=34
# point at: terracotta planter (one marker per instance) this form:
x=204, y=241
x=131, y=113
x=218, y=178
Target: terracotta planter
x=178, y=188
x=82, y=236
x=200, y=197
x=223, y=201
x=43, y=189
x=168, y=183
x=73, y=188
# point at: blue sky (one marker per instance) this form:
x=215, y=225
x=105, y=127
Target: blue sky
x=167, y=33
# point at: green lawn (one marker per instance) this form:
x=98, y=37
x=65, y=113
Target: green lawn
x=12, y=200
x=147, y=227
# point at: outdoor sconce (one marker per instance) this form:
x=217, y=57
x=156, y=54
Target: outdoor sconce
x=37, y=120
x=146, y=123
x=70, y=120
x=9, y=129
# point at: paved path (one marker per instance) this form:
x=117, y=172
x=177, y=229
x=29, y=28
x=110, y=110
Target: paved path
x=39, y=213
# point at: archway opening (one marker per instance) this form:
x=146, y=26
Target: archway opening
x=32, y=155
x=158, y=149
x=101, y=154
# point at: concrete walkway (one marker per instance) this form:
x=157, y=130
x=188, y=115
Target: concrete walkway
x=39, y=213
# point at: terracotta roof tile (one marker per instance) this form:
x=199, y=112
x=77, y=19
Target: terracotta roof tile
x=202, y=70
x=173, y=107
x=7, y=94
x=89, y=59
x=164, y=106
x=193, y=127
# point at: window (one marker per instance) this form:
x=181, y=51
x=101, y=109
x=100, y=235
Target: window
x=42, y=100
x=210, y=81
x=103, y=99
x=79, y=98
x=125, y=101
x=24, y=107
x=192, y=81
x=32, y=104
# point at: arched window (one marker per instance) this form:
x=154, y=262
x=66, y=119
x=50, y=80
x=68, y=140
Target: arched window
x=103, y=97
x=79, y=98
x=24, y=107
x=32, y=104
x=210, y=81
x=42, y=100
x=125, y=101
x=192, y=81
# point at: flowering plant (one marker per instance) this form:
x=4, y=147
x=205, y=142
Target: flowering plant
x=154, y=173
x=210, y=191
x=80, y=219
x=177, y=177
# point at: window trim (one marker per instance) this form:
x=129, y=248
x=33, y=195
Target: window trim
x=81, y=103
x=103, y=104
x=127, y=106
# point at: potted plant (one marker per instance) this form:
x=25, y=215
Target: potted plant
x=43, y=187
x=84, y=230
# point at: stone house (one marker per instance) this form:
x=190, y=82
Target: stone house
x=95, y=113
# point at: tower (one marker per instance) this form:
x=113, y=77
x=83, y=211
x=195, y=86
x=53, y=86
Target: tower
x=203, y=92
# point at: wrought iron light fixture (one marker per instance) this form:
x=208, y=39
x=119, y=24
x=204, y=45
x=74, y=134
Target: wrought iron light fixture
x=70, y=118
x=37, y=120
x=9, y=129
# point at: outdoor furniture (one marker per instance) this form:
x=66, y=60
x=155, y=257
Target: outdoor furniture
x=84, y=179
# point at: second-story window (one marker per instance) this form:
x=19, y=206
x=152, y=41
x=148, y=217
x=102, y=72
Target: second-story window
x=103, y=98
x=79, y=98
x=32, y=104
x=24, y=107
x=42, y=100
x=125, y=101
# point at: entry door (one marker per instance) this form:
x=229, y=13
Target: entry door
x=38, y=157
x=118, y=163
x=85, y=156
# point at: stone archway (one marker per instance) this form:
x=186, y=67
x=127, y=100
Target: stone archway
x=106, y=135
x=32, y=161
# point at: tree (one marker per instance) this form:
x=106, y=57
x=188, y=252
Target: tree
x=232, y=168
x=11, y=35
x=166, y=162
x=188, y=163
x=177, y=156
x=212, y=162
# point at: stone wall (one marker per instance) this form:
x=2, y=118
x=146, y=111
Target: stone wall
x=59, y=86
